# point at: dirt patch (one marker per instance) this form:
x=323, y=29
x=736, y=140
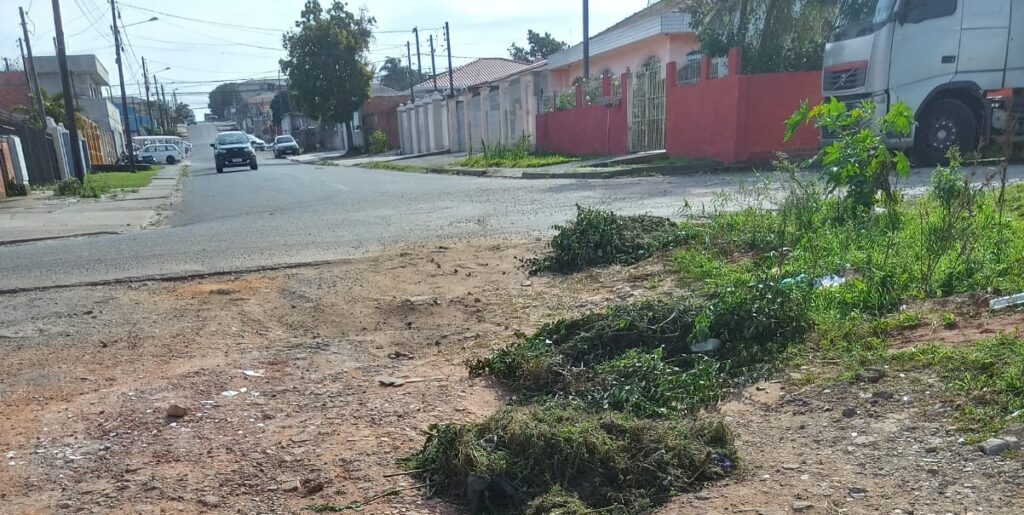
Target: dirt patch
x=957, y=325
x=278, y=374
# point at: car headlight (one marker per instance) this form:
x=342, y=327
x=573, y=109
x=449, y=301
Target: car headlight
x=221, y=152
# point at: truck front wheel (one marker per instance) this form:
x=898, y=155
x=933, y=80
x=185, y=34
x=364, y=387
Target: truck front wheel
x=945, y=123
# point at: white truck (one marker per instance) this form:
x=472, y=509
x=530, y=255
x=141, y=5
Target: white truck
x=958, y=65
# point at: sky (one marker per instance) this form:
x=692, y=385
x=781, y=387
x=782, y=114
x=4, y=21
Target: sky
x=207, y=42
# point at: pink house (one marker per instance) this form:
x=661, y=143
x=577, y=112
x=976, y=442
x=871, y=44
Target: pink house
x=657, y=34
x=657, y=93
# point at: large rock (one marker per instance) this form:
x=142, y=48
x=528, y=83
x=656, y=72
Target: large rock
x=175, y=411
x=997, y=446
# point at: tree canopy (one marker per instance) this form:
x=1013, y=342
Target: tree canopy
x=327, y=64
x=397, y=76
x=224, y=96
x=540, y=47
x=182, y=113
x=775, y=35
x=279, y=106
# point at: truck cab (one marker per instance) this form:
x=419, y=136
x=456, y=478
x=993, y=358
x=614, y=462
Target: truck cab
x=957, y=64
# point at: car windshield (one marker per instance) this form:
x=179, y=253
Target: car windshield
x=284, y=139
x=862, y=17
x=231, y=139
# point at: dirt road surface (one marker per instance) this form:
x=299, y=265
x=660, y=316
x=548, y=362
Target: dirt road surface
x=278, y=374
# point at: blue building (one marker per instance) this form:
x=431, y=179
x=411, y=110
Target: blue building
x=137, y=116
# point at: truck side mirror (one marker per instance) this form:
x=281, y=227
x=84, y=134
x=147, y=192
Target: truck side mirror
x=213, y=145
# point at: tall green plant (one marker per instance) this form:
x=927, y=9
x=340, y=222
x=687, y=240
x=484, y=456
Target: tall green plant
x=857, y=159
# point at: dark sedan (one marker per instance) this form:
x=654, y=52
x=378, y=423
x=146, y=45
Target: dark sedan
x=232, y=150
x=286, y=145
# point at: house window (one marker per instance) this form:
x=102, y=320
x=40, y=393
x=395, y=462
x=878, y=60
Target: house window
x=651, y=64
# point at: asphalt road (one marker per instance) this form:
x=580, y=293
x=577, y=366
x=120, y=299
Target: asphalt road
x=287, y=213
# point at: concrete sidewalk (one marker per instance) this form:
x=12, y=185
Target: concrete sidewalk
x=41, y=216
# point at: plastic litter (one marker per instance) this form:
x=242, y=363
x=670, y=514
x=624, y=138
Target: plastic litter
x=829, y=281
x=1005, y=302
x=229, y=393
x=253, y=373
x=706, y=346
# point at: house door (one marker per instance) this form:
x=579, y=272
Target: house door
x=647, y=110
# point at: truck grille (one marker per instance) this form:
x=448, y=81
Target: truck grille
x=236, y=152
x=843, y=79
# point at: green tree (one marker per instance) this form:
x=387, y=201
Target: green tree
x=775, y=35
x=540, y=47
x=224, y=96
x=280, y=106
x=182, y=113
x=398, y=77
x=327, y=64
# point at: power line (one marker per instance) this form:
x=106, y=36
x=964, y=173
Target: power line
x=219, y=24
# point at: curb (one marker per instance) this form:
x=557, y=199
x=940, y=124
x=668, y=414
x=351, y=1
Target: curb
x=5, y=243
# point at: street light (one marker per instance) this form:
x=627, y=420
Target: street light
x=141, y=22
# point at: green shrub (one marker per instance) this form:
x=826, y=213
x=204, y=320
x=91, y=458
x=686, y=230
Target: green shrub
x=378, y=142
x=557, y=502
x=599, y=238
x=70, y=187
x=607, y=462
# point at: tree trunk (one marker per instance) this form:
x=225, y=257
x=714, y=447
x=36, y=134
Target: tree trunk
x=348, y=138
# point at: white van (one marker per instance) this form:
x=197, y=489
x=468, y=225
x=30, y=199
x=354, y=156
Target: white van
x=154, y=154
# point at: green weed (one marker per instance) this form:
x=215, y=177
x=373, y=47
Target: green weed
x=516, y=155
x=565, y=458
x=378, y=143
x=599, y=238
x=394, y=167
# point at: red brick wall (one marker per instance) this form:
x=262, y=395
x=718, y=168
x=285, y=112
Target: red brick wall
x=13, y=91
x=587, y=130
x=381, y=113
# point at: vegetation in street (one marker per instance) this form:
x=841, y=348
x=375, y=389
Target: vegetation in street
x=516, y=155
x=598, y=238
x=378, y=143
x=823, y=270
x=610, y=462
x=98, y=184
x=394, y=167
x=328, y=64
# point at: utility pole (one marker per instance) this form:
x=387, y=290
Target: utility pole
x=7, y=65
x=149, y=105
x=159, y=109
x=124, y=94
x=412, y=81
x=586, y=39
x=30, y=68
x=448, y=45
x=163, y=105
x=24, y=68
x=174, y=95
x=433, y=65
x=419, y=64
x=69, y=101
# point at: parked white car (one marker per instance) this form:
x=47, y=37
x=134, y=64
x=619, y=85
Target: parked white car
x=160, y=154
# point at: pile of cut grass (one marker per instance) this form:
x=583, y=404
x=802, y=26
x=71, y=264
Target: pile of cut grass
x=573, y=461
x=600, y=238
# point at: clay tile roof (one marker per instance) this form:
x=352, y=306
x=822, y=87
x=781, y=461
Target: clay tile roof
x=477, y=72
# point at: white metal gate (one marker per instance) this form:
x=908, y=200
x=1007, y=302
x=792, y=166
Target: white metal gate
x=647, y=113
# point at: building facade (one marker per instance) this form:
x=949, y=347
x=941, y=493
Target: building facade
x=88, y=78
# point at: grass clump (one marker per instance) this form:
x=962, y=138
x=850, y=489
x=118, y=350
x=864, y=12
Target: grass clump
x=571, y=460
x=599, y=238
x=98, y=184
x=516, y=155
x=394, y=167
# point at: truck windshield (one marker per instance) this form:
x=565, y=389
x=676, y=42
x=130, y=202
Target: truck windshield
x=862, y=17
